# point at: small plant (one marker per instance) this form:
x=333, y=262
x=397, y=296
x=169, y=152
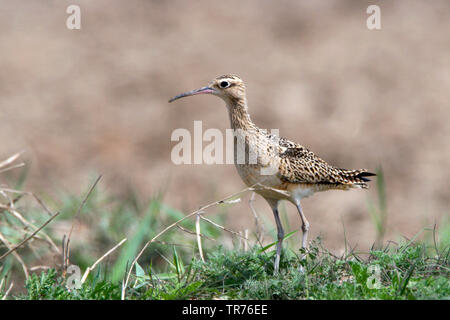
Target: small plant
x=378, y=212
x=48, y=285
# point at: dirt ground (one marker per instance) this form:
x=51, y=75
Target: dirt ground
x=95, y=100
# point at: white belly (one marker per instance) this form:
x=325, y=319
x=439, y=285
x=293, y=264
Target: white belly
x=301, y=191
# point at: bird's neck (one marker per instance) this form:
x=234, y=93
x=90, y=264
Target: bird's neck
x=239, y=117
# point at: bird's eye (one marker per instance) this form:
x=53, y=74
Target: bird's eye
x=224, y=84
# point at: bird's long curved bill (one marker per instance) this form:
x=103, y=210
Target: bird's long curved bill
x=203, y=90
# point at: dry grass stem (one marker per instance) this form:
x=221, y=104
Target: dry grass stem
x=193, y=233
x=29, y=237
x=19, y=165
x=7, y=291
x=11, y=208
x=10, y=160
x=199, y=239
x=127, y=278
x=66, y=246
x=39, y=268
x=89, y=269
x=246, y=240
x=221, y=227
x=15, y=254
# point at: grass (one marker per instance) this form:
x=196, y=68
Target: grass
x=171, y=267
x=405, y=271
x=378, y=212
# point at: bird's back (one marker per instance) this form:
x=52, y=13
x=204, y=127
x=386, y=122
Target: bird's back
x=300, y=165
x=295, y=166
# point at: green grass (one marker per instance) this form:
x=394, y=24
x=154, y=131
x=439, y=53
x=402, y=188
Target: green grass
x=406, y=271
x=172, y=269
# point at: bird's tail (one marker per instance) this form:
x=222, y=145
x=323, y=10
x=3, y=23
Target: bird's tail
x=356, y=178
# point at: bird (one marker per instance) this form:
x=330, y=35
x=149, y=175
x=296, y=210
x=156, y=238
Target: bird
x=276, y=168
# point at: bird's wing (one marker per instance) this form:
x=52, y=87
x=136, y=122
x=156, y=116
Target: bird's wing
x=300, y=165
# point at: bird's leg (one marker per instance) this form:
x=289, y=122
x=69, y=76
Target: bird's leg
x=305, y=227
x=280, y=234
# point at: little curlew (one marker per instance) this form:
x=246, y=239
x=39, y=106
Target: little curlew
x=281, y=169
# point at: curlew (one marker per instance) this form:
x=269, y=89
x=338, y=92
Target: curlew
x=277, y=169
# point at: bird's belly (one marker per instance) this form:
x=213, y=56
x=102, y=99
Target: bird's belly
x=255, y=174
x=268, y=186
x=259, y=168
x=300, y=191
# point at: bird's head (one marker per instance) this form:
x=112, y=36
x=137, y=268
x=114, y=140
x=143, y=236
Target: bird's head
x=228, y=87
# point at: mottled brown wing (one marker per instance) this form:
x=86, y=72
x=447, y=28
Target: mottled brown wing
x=300, y=165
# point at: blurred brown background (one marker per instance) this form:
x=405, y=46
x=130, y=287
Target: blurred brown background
x=95, y=99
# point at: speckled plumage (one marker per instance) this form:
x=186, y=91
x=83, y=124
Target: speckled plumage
x=294, y=171
x=300, y=165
